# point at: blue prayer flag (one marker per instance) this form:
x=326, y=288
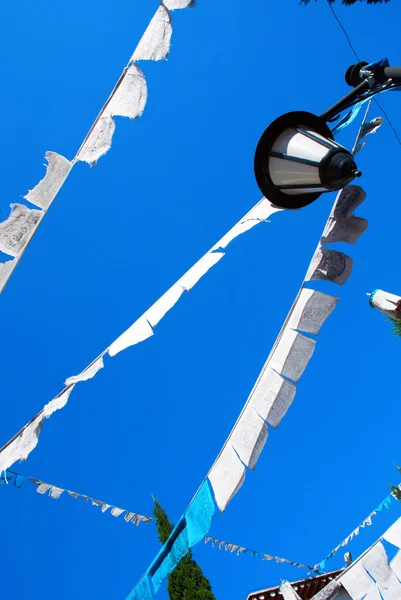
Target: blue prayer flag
x=200, y=514
x=141, y=591
x=191, y=529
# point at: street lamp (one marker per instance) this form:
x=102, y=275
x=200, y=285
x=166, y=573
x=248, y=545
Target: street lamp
x=297, y=159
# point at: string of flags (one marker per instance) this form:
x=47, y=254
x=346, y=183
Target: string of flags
x=372, y=576
x=238, y=550
x=276, y=392
x=384, y=504
x=26, y=439
x=234, y=548
x=128, y=99
x=53, y=491
x=275, y=387
x=365, y=129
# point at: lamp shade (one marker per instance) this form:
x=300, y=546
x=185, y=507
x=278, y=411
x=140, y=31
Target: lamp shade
x=297, y=159
x=388, y=304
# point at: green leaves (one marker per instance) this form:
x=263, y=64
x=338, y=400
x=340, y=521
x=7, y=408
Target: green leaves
x=395, y=489
x=187, y=581
x=396, y=326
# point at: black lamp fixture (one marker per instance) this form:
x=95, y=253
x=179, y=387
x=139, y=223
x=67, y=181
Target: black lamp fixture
x=297, y=159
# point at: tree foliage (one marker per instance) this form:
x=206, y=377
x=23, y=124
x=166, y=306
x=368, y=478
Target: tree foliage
x=396, y=326
x=396, y=490
x=350, y=2
x=187, y=581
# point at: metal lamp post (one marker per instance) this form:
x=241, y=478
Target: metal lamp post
x=297, y=159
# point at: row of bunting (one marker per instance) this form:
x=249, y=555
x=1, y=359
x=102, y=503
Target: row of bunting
x=273, y=393
x=53, y=491
x=372, y=577
x=234, y=548
x=238, y=550
x=384, y=504
x=26, y=439
x=275, y=388
x=128, y=99
x=19, y=228
x=308, y=314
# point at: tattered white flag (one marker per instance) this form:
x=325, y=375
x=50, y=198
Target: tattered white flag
x=87, y=373
x=155, y=42
x=18, y=229
x=46, y=190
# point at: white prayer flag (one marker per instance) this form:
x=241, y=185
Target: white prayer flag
x=396, y=565
x=311, y=310
x=129, y=99
x=155, y=42
x=357, y=582
x=98, y=141
x=272, y=396
x=18, y=229
x=249, y=437
x=128, y=516
x=343, y=230
x=292, y=354
x=234, y=232
x=58, y=402
x=43, y=488
x=138, y=332
x=256, y=215
x=55, y=492
x=199, y=269
x=329, y=265
x=175, y=4
x=348, y=199
x=46, y=190
x=22, y=445
x=226, y=477
x=157, y=311
x=88, y=373
x=393, y=534
x=377, y=565
x=6, y=268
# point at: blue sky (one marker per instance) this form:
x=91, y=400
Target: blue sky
x=118, y=235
